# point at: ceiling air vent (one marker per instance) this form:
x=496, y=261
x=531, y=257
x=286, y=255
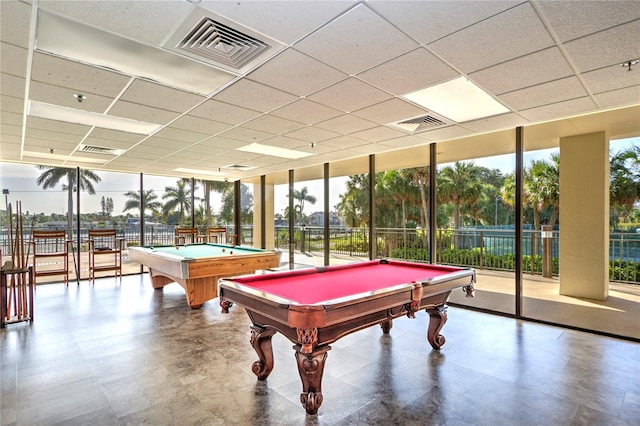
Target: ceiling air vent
x=238, y=167
x=100, y=150
x=221, y=43
x=420, y=124
x=218, y=41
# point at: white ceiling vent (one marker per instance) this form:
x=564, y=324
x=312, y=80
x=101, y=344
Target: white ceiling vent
x=238, y=167
x=100, y=150
x=420, y=124
x=221, y=42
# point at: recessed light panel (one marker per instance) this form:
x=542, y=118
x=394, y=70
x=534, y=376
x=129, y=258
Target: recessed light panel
x=274, y=151
x=459, y=100
x=88, y=118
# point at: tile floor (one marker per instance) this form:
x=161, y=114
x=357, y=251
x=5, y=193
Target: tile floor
x=120, y=353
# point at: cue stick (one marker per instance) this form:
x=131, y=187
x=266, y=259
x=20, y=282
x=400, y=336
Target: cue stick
x=12, y=289
x=29, y=304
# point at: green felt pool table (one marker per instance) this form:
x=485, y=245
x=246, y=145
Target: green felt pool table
x=198, y=267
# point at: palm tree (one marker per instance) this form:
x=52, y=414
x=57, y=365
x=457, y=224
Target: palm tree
x=53, y=175
x=213, y=185
x=149, y=199
x=543, y=186
x=460, y=185
x=354, y=202
x=301, y=196
x=178, y=198
x=624, y=183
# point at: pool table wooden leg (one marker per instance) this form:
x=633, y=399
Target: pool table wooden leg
x=438, y=317
x=261, y=342
x=311, y=367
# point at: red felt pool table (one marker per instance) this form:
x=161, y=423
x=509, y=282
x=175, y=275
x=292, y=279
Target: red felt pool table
x=315, y=307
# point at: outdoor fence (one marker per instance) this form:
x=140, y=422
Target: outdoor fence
x=487, y=248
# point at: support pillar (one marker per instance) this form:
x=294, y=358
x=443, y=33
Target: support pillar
x=268, y=212
x=584, y=216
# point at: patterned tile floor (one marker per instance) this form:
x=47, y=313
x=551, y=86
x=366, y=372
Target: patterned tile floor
x=120, y=353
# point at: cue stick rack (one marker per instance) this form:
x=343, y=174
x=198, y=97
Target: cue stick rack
x=16, y=276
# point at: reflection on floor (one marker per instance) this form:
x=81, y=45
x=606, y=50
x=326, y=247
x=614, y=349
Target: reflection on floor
x=120, y=353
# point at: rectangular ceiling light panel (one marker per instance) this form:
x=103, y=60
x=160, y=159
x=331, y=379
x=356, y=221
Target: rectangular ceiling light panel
x=90, y=45
x=88, y=118
x=459, y=100
x=274, y=151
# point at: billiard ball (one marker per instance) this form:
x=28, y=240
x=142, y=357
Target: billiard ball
x=223, y=250
x=230, y=251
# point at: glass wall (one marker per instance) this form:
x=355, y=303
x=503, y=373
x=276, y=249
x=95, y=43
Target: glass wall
x=308, y=213
x=476, y=202
x=246, y=214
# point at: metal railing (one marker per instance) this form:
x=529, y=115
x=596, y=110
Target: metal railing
x=486, y=248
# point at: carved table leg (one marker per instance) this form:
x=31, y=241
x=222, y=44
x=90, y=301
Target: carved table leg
x=311, y=367
x=261, y=342
x=438, y=317
x=386, y=326
x=225, y=305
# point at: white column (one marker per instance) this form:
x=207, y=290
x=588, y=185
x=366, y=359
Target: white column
x=268, y=213
x=584, y=216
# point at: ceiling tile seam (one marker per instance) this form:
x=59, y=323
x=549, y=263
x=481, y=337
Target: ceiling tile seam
x=27, y=84
x=106, y=112
x=563, y=51
x=326, y=23
x=206, y=98
x=478, y=22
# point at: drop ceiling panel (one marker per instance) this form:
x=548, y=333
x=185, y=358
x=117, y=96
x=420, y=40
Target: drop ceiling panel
x=450, y=132
x=377, y=134
x=312, y=134
x=287, y=21
x=158, y=96
x=620, y=97
x=613, y=47
x=10, y=131
x=272, y=124
x=356, y=41
x=288, y=143
x=529, y=70
x=10, y=103
x=550, y=112
x=247, y=135
x=306, y=112
x=76, y=76
x=291, y=71
x=344, y=142
x=12, y=118
x=346, y=124
x=544, y=94
x=428, y=21
x=504, y=121
x=200, y=125
x=115, y=135
x=349, y=95
x=570, y=22
x=390, y=111
x=14, y=60
x=63, y=96
x=12, y=86
x=254, y=96
x=142, y=113
x=224, y=143
x=14, y=18
x=511, y=34
x=160, y=16
x=223, y=112
x=610, y=78
x=423, y=67
x=403, y=142
x=180, y=135
x=43, y=126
